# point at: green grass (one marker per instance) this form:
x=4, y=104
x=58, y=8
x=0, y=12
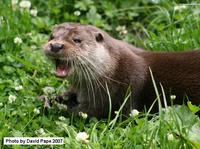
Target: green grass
x=164, y=26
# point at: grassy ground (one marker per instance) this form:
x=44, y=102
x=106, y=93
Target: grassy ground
x=159, y=25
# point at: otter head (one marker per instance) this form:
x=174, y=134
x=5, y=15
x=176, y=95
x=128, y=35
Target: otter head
x=80, y=49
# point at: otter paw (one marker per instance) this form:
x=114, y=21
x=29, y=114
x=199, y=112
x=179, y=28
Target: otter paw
x=46, y=101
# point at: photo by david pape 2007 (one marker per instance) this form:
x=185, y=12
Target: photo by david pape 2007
x=33, y=140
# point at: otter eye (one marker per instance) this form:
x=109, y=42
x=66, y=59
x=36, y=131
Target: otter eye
x=77, y=40
x=51, y=37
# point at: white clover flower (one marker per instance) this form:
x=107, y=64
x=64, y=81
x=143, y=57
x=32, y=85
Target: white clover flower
x=14, y=113
x=33, y=12
x=1, y=104
x=14, y=4
x=20, y=87
x=155, y=1
x=41, y=131
x=17, y=40
x=134, y=113
x=118, y=28
x=122, y=30
x=62, y=118
x=172, y=97
x=83, y=115
x=36, y=111
x=48, y=90
x=61, y=106
x=116, y=112
x=33, y=47
x=29, y=34
x=180, y=7
x=170, y=137
x=82, y=137
x=77, y=13
x=25, y=4
x=11, y=98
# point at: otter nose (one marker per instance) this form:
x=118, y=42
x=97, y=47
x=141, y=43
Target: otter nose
x=56, y=47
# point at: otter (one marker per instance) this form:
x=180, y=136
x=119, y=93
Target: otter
x=102, y=69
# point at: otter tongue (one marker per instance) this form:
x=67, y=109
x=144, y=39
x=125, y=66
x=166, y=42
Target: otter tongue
x=61, y=69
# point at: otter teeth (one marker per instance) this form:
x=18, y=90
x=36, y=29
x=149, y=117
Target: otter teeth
x=62, y=69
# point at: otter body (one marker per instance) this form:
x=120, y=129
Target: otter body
x=102, y=68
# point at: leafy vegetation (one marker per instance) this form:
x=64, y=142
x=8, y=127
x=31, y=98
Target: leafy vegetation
x=159, y=25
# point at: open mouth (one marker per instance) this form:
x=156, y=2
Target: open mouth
x=63, y=68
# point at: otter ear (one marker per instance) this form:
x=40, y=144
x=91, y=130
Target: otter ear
x=99, y=37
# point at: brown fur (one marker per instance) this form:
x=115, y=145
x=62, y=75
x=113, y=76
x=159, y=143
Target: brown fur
x=122, y=66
